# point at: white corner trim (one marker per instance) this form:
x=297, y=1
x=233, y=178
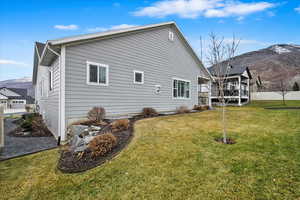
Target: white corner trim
x=88, y=63
x=62, y=102
x=140, y=72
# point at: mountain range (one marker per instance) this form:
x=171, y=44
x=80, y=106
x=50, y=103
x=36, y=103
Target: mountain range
x=272, y=64
x=24, y=83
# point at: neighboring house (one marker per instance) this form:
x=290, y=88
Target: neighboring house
x=237, y=86
x=14, y=98
x=121, y=70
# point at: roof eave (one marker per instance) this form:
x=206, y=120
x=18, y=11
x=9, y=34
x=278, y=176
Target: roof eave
x=100, y=34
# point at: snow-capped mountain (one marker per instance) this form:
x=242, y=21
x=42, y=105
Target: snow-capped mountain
x=280, y=61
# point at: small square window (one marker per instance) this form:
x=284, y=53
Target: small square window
x=171, y=36
x=138, y=77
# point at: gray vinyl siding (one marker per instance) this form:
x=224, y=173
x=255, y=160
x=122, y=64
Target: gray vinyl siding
x=149, y=51
x=49, y=103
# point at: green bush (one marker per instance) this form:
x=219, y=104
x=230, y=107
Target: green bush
x=26, y=125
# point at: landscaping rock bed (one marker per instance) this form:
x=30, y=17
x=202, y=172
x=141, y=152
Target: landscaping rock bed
x=81, y=160
x=76, y=156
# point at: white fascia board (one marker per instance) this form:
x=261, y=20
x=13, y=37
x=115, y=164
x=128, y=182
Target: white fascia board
x=103, y=34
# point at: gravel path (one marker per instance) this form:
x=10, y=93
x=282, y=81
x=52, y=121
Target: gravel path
x=17, y=146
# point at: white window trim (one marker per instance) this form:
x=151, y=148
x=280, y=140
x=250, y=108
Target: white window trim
x=182, y=98
x=88, y=63
x=141, y=72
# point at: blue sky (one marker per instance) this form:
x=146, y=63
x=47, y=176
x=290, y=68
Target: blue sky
x=258, y=24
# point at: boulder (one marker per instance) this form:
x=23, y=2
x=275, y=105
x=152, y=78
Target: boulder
x=77, y=129
x=77, y=144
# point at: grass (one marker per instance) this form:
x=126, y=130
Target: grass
x=176, y=157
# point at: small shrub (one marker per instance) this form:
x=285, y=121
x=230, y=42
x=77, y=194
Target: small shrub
x=96, y=114
x=27, y=108
x=206, y=107
x=182, y=109
x=39, y=127
x=197, y=107
x=119, y=125
x=201, y=107
x=26, y=125
x=149, y=112
x=102, y=144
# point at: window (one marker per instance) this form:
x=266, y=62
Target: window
x=171, y=36
x=181, y=89
x=97, y=74
x=50, y=80
x=138, y=77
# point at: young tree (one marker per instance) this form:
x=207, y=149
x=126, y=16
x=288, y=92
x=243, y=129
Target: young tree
x=284, y=85
x=220, y=51
x=296, y=87
x=283, y=90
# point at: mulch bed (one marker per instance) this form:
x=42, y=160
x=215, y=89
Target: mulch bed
x=16, y=133
x=229, y=140
x=71, y=162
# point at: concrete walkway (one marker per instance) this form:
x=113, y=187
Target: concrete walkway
x=17, y=146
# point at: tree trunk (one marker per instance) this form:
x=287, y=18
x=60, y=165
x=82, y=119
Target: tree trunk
x=224, y=124
x=283, y=96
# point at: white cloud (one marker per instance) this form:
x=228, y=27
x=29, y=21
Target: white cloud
x=238, y=9
x=66, y=27
x=206, y=8
x=115, y=27
x=11, y=62
x=297, y=9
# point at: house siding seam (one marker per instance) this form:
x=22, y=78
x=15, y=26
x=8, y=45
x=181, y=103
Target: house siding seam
x=151, y=52
x=49, y=103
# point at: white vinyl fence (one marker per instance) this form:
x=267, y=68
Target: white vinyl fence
x=275, y=96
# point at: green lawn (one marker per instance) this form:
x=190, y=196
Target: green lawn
x=176, y=157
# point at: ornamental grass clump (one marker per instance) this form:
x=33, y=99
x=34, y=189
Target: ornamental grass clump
x=96, y=114
x=102, y=144
x=120, y=125
x=149, y=112
x=182, y=109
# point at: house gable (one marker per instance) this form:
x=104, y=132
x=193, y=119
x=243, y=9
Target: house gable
x=151, y=52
